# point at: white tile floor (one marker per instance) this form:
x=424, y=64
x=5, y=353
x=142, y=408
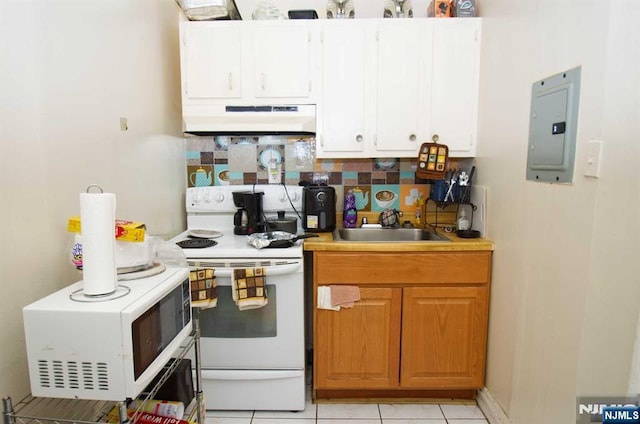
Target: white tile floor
x=339, y=413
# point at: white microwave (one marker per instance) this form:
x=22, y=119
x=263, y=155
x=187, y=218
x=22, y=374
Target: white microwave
x=108, y=347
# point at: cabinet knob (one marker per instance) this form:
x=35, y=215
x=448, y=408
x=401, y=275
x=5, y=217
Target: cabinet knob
x=412, y=137
x=359, y=138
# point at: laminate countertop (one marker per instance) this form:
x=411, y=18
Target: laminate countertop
x=326, y=243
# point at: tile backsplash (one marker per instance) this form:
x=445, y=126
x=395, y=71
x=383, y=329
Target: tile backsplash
x=229, y=160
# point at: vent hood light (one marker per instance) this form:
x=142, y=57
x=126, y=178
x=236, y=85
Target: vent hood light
x=267, y=119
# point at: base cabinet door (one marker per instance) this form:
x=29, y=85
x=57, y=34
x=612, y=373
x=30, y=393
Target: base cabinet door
x=443, y=336
x=359, y=347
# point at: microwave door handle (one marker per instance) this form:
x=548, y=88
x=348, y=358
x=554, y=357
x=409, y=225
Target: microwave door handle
x=269, y=271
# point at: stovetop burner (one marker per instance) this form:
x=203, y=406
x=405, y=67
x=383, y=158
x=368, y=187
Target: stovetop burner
x=196, y=243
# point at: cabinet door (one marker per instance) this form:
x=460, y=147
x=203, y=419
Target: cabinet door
x=282, y=60
x=344, y=96
x=454, y=99
x=359, y=347
x=443, y=337
x=211, y=61
x=403, y=75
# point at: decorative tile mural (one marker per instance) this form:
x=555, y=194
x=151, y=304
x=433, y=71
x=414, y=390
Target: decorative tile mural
x=378, y=184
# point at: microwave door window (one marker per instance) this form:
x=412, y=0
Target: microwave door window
x=156, y=328
x=170, y=317
x=146, y=340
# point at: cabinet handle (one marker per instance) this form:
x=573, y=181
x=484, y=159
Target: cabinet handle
x=359, y=138
x=230, y=80
x=262, y=80
x=412, y=137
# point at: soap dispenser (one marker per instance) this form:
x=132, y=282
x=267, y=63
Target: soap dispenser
x=349, y=213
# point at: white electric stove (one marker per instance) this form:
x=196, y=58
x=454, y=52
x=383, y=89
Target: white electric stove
x=212, y=209
x=250, y=359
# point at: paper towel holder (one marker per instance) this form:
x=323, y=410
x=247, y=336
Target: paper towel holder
x=95, y=186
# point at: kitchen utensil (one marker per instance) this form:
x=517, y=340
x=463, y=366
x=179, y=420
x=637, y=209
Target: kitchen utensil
x=449, y=197
x=196, y=243
x=276, y=239
x=283, y=223
x=204, y=234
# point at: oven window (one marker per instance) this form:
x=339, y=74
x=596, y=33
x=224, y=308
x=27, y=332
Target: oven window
x=227, y=321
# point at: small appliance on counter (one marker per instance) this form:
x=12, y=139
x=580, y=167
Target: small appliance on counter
x=248, y=219
x=319, y=208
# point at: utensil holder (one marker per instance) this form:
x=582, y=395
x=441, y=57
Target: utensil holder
x=439, y=190
x=464, y=194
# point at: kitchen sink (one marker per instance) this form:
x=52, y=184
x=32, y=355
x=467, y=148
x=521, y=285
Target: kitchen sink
x=387, y=235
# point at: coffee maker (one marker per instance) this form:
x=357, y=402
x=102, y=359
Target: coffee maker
x=248, y=219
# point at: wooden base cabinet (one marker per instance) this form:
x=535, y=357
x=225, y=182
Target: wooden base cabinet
x=443, y=337
x=359, y=347
x=412, y=331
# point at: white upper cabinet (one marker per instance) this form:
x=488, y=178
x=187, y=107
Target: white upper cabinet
x=345, y=98
x=403, y=63
x=381, y=87
x=247, y=62
x=211, y=62
x=375, y=87
x=282, y=61
x=455, y=83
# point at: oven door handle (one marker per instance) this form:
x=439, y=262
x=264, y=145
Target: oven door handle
x=240, y=375
x=269, y=271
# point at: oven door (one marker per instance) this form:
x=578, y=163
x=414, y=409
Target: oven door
x=270, y=337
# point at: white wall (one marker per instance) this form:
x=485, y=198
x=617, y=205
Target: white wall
x=564, y=299
x=69, y=69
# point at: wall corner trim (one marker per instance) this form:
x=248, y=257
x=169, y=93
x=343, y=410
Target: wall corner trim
x=490, y=408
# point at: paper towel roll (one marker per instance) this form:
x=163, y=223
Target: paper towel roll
x=97, y=219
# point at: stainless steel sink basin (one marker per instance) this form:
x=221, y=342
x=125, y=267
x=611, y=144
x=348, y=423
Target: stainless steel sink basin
x=387, y=235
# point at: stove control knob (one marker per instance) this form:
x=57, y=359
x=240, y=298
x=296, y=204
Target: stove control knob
x=208, y=196
x=195, y=198
x=219, y=198
x=285, y=199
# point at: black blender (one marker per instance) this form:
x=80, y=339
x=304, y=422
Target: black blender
x=248, y=219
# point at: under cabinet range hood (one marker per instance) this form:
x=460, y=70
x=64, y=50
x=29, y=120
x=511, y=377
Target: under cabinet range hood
x=268, y=119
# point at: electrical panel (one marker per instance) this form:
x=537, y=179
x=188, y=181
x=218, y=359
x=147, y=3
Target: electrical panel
x=552, y=127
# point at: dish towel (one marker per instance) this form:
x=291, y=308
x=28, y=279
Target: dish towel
x=344, y=296
x=204, y=287
x=249, y=288
x=335, y=297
